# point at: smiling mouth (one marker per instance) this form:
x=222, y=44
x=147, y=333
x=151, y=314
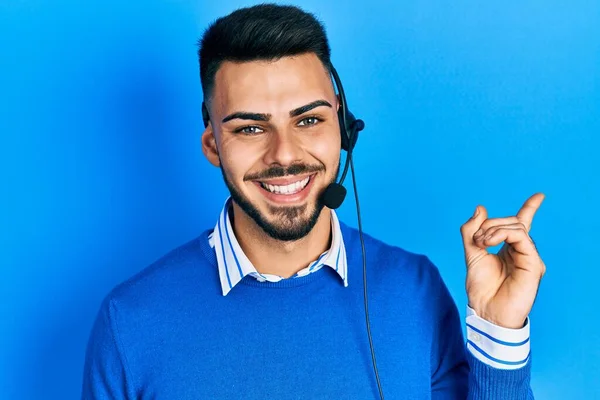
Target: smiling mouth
x=287, y=188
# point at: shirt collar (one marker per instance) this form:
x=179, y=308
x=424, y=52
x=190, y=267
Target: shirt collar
x=234, y=265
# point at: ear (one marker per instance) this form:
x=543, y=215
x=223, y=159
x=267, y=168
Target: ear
x=209, y=146
x=337, y=108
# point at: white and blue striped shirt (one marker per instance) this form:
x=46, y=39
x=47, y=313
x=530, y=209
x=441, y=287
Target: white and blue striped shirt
x=235, y=265
x=494, y=345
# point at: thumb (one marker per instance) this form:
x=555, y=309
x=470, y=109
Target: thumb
x=469, y=228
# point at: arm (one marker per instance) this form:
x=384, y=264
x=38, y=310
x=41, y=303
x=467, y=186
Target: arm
x=105, y=372
x=456, y=373
x=501, y=289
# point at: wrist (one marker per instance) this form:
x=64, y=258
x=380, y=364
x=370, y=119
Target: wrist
x=503, y=321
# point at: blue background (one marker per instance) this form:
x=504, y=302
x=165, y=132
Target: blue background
x=465, y=103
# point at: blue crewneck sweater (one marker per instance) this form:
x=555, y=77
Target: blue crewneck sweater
x=169, y=333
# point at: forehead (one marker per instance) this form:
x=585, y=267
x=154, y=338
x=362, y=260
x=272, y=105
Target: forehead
x=271, y=86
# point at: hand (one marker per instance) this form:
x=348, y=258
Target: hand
x=502, y=287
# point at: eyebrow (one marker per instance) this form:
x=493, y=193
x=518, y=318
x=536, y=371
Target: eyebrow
x=266, y=117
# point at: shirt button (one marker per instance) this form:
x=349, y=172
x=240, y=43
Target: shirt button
x=475, y=337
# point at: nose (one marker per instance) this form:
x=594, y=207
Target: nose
x=283, y=149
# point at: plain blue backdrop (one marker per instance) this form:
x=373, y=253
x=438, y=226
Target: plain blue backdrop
x=465, y=103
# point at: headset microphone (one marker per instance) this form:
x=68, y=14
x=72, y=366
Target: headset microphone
x=333, y=196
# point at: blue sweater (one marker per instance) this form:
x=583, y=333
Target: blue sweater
x=169, y=333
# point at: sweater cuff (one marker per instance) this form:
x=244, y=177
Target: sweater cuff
x=496, y=346
x=489, y=383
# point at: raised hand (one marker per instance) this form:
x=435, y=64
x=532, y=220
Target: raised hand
x=502, y=287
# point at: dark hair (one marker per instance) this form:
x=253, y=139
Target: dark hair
x=261, y=32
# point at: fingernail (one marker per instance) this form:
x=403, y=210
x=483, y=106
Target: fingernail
x=476, y=212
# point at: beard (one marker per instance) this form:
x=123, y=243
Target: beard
x=290, y=222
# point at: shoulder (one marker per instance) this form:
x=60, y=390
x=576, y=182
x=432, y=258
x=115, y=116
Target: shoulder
x=182, y=269
x=407, y=285
x=391, y=262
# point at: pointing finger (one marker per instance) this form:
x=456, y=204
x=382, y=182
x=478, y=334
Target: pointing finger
x=526, y=213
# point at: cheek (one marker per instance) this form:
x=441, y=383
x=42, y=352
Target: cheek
x=326, y=149
x=238, y=159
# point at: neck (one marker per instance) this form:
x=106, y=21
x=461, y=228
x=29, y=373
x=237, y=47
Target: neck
x=283, y=258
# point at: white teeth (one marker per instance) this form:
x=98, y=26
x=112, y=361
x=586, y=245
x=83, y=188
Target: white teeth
x=292, y=188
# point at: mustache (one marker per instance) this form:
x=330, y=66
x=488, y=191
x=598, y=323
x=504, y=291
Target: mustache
x=278, y=171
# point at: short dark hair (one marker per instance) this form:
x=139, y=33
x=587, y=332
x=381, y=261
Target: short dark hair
x=261, y=32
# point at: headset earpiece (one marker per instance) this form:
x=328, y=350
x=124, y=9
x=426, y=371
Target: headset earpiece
x=349, y=133
x=349, y=125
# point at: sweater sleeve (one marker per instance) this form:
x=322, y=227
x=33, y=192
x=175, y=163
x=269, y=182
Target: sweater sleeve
x=105, y=373
x=456, y=373
x=500, y=347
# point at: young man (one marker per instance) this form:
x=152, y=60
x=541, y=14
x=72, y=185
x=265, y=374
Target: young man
x=269, y=303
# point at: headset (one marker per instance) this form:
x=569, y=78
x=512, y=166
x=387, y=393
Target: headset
x=333, y=196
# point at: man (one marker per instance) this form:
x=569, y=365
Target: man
x=269, y=303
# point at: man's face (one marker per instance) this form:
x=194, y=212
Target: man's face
x=274, y=133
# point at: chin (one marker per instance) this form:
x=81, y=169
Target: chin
x=285, y=209
x=285, y=222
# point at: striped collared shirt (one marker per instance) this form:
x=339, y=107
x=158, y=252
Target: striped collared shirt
x=234, y=265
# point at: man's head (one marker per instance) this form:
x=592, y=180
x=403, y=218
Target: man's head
x=273, y=128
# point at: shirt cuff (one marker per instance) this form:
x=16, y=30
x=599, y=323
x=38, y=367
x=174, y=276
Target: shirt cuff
x=496, y=346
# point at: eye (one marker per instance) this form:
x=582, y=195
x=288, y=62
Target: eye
x=248, y=130
x=312, y=120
